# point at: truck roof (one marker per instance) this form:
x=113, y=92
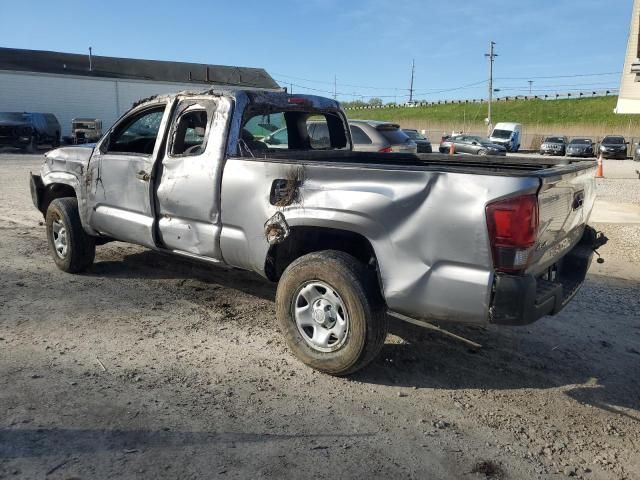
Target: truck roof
x=255, y=95
x=507, y=126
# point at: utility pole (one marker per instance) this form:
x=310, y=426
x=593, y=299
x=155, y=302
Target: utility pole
x=335, y=81
x=491, y=56
x=90, y=59
x=413, y=69
x=530, y=83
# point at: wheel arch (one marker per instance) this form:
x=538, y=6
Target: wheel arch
x=308, y=239
x=52, y=191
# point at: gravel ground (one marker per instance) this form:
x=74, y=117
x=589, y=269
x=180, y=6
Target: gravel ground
x=152, y=367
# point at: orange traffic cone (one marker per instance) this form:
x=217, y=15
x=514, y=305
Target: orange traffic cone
x=452, y=149
x=599, y=172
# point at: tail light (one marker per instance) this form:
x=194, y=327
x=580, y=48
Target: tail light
x=388, y=149
x=513, y=231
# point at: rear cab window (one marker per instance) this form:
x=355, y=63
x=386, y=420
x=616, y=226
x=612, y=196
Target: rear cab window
x=266, y=128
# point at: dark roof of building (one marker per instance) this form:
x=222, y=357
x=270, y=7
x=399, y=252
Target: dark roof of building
x=132, y=68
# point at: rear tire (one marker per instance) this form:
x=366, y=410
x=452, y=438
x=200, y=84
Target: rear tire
x=351, y=306
x=72, y=249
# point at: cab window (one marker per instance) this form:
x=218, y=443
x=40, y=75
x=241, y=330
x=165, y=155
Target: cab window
x=137, y=134
x=189, y=133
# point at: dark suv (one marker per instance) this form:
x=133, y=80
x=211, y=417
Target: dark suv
x=28, y=130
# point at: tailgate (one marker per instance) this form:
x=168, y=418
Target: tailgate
x=565, y=200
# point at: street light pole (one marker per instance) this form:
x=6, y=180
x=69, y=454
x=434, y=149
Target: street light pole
x=530, y=83
x=491, y=56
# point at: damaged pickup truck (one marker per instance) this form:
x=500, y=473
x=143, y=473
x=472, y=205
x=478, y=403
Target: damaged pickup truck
x=352, y=238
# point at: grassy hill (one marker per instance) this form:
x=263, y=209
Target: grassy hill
x=584, y=116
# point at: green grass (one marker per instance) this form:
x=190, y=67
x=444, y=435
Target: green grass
x=584, y=111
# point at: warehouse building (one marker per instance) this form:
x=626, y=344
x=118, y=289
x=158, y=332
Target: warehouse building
x=72, y=85
x=629, y=98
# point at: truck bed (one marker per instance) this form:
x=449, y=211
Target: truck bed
x=516, y=166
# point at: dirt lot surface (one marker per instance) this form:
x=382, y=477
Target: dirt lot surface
x=153, y=367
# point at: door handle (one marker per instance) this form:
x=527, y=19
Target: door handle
x=142, y=175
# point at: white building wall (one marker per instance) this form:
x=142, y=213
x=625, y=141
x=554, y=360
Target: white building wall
x=629, y=97
x=68, y=96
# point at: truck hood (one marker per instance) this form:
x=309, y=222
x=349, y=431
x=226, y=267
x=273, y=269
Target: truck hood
x=69, y=159
x=7, y=123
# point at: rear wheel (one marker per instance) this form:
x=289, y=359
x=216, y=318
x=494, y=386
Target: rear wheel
x=331, y=312
x=71, y=248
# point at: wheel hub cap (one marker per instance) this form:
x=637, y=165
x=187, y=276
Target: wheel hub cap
x=321, y=316
x=59, y=233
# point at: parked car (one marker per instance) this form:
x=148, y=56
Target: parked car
x=85, y=130
x=423, y=143
x=554, y=146
x=580, y=147
x=472, y=144
x=508, y=135
x=614, y=146
x=28, y=130
x=381, y=137
x=636, y=152
x=350, y=237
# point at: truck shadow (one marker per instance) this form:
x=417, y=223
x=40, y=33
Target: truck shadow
x=587, y=350
x=149, y=264
x=591, y=370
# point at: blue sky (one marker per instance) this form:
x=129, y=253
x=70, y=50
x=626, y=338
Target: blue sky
x=363, y=43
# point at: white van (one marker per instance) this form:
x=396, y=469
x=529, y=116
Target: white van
x=508, y=135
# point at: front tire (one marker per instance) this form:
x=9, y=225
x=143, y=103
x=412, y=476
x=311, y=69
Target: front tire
x=331, y=312
x=72, y=249
x=32, y=147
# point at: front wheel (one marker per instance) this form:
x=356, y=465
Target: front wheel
x=482, y=152
x=72, y=249
x=331, y=312
x=32, y=146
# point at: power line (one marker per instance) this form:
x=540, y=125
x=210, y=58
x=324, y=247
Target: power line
x=326, y=82
x=561, y=76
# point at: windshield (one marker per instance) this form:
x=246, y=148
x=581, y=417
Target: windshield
x=13, y=117
x=580, y=141
x=613, y=140
x=414, y=135
x=502, y=133
x=554, y=140
x=84, y=126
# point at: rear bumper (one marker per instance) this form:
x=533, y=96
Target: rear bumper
x=523, y=299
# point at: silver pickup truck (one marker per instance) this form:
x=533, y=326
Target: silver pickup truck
x=352, y=238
